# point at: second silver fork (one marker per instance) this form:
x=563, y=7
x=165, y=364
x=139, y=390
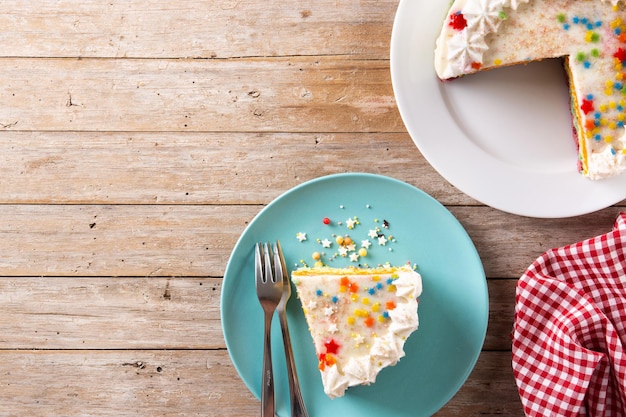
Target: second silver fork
x=297, y=403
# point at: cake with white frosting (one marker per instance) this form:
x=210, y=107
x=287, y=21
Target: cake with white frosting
x=359, y=319
x=590, y=37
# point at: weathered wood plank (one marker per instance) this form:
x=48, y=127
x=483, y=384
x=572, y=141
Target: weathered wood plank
x=143, y=241
x=310, y=94
x=183, y=240
x=197, y=168
x=489, y=391
x=148, y=313
x=122, y=383
x=110, y=313
x=196, y=28
x=501, y=314
x=508, y=244
x=188, y=382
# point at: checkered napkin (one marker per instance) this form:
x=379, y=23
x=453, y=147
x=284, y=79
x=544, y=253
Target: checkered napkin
x=569, y=337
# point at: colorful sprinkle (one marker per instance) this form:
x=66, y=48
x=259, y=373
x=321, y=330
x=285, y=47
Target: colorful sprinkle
x=457, y=21
x=586, y=106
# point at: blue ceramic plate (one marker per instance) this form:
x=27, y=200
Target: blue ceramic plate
x=453, y=308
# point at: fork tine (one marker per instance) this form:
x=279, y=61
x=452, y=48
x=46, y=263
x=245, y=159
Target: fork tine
x=269, y=273
x=258, y=263
x=279, y=260
x=279, y=267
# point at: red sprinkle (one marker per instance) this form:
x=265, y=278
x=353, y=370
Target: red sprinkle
x=620, y=54
x=326, y=220
x=331, y=346
x=457, y=21
x=587, y=106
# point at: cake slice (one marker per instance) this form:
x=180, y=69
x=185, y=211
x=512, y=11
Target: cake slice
x=359, y=320
x=589, y=35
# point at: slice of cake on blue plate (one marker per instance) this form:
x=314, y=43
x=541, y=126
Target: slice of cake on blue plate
x=359, y=319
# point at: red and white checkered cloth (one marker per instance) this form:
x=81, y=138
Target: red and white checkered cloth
x=569, y=336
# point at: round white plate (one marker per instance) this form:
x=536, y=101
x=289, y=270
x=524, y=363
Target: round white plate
x=503, y=137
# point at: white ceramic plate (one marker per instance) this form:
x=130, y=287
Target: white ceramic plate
x=504, y=137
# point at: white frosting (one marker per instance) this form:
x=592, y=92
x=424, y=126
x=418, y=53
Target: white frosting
x=357, y=350
x=464, y=48
x=606, y=163
x=484, y=15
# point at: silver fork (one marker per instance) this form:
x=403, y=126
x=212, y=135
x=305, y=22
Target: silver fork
x=295, y=395
x=269, y=289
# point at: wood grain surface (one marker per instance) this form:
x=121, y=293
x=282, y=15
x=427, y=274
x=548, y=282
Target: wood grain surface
x=139, y=138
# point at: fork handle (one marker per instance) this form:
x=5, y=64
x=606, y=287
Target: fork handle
x=267, y=389
x=297, y=402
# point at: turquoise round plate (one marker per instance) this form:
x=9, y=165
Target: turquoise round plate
x=453, y=308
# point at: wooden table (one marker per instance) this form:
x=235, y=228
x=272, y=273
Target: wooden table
x=139, y=138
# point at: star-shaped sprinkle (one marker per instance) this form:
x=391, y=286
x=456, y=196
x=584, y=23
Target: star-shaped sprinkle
x=372, y=233
x=326, y=243
x=354, y=257
x=343, y=251
x=350, y=223
x=332, y=328
x=366, y=244
x=587, y=106
x=301, y=236
x=382, y=240
x=331, y=346
x=358, y=339
x=328, y=311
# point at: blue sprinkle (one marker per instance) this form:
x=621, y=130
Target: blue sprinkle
x=584, y=20
x=597, y=115
x=389, y=281
x=620, y=123
x=612, y=151
x=598, y=24
x=617, y=86
x=587, y=64
x=576, y=19
x=618, y=31
x=597, y=138
x=371, y=291
x=379, y=286
x=319, y=292
x=335, y=299
x=566, y=26
x=589, y=26
x=386, y=315
x=589, y=96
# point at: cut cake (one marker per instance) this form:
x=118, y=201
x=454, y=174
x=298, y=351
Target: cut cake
x=590, y=36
